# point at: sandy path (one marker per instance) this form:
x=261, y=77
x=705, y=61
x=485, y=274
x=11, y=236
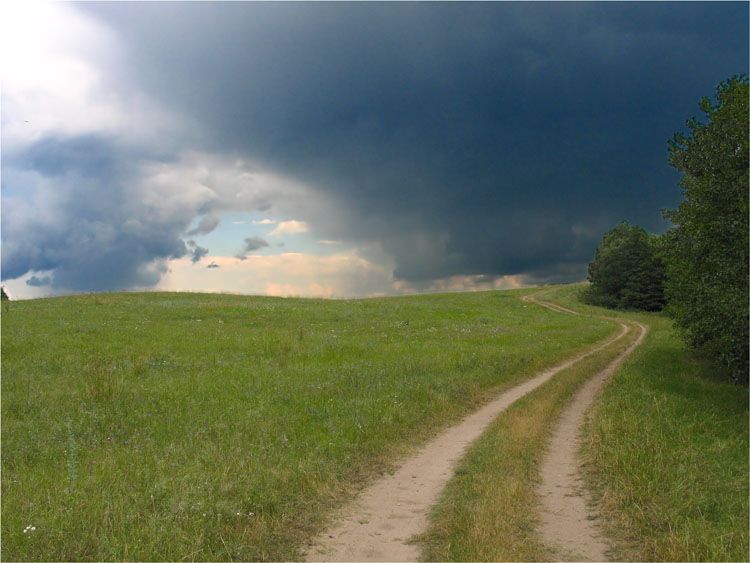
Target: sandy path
x=567, y=524
x=378, y=525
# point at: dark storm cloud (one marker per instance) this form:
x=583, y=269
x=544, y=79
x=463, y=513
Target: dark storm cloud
x=464, y=138
x=251, y=245
x=490, y=137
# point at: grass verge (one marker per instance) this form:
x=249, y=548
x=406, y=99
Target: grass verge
x=666, y=457
x=216, y=427
x=488, y=510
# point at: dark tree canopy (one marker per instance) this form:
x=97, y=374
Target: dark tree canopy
x=707, y=250
x=4, y=295
x=627, y=272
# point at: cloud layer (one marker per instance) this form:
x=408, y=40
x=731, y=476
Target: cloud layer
x=480, y=139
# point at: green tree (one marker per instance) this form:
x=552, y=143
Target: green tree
x=707, y=249
x=627, y=272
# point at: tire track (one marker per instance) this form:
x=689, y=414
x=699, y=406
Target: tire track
x=379, y=524
x=568, y=524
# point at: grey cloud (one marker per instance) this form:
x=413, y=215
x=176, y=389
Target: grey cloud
x=85, y=218
x=196, y=252
x=35, y=281
x=251, y=245
x=104, y=215
x=206, y=225
x=212, y=265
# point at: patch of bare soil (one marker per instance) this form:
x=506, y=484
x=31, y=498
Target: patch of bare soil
x=567, y=522
x=378, y=526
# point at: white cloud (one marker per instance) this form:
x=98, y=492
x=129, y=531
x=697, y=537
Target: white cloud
x=290, y=228
x=54, y=62
x=290, y=274
x=328, y=242
x=199, y=182
x=20, y=289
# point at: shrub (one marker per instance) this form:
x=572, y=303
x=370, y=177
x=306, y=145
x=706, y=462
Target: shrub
x=627, y=272
x=707, y=250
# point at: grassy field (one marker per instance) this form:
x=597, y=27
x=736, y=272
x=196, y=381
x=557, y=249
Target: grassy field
x=666, y=455
x=215, y=427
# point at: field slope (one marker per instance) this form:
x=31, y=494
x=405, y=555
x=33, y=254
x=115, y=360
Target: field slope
x=214, y=427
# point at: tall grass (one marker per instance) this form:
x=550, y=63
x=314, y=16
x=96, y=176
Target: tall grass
x=668, y=454
x=206, y=427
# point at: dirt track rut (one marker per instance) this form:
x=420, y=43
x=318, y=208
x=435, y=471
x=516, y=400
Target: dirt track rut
x=378, y=525
x=568, y=524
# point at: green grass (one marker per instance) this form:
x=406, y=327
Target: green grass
x=666, y=455
x=488, y=511
x=215, y=427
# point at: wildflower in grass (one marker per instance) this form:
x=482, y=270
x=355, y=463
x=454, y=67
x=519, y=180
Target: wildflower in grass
x=29, y=528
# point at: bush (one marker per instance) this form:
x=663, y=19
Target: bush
x=707, y=250
x=627, y=272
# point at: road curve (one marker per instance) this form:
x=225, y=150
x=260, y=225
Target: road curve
x=378, y=525
x=568, y=525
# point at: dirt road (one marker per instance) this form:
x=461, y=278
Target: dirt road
x=568, y=524
x=378, y=525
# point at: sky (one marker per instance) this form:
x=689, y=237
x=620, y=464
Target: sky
x=341, y=149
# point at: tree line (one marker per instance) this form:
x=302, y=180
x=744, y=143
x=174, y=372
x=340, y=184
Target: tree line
x=698, y=270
